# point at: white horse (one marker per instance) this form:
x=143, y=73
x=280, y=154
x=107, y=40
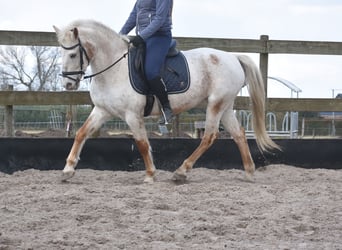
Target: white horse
x=216, y=77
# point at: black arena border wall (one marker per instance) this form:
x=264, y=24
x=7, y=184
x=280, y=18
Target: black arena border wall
x=17, y=154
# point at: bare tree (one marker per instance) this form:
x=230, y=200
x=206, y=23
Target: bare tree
x=33, y=68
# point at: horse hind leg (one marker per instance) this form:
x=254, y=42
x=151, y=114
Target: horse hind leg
x=181, y=173
x=232, y=125
x=210, y=134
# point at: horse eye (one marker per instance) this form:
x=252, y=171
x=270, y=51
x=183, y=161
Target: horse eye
x=72, y=55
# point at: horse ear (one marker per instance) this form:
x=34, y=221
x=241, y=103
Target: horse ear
x=75, y=31
x=57, y=30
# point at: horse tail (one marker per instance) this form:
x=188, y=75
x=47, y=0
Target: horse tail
x=257, y=94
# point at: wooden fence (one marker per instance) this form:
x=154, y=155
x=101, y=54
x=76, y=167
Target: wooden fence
x=262, y=46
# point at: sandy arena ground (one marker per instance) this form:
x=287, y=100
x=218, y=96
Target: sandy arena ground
x=285, y=208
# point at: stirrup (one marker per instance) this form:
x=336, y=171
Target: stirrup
x=166, y=117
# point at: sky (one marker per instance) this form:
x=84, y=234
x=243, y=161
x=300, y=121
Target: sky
x=311, y=20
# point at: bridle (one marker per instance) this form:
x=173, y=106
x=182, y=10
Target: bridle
x=69, y=74
x=82, y=50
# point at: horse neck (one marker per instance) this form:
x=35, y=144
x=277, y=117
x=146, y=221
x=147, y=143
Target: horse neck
x=107, y=52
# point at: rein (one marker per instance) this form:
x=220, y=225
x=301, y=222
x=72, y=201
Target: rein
x=68, y=74
x=112, y=65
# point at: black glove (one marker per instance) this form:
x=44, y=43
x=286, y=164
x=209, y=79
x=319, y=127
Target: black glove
x=137, y=41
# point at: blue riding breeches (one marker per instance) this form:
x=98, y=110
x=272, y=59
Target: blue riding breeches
x=157, y=47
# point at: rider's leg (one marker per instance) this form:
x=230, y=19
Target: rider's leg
x=157, y=47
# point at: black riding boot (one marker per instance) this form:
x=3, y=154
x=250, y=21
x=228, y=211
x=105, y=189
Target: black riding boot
x=158, y=88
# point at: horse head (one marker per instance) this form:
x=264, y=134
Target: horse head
x=76, y=57
x=86, y=42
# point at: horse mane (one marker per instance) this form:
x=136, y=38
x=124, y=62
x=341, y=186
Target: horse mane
x=89, y=24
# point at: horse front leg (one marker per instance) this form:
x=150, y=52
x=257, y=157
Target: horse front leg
x=138, y=129
x=145, y=151
x=91, y=125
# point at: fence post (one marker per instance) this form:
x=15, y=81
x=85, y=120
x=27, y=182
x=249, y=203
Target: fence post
x=9, y=118
x=176, y=126
x=68, y=120
x=263, y=63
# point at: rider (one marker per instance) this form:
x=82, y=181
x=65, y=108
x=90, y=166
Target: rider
x=153, y=22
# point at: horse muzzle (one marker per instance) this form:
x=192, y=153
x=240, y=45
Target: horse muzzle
x=72, y=85
x=72, y=79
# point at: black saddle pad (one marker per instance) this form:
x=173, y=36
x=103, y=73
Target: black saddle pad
x=175, y=74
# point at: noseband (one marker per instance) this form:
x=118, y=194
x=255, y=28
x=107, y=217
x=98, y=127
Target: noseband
x=68, y=74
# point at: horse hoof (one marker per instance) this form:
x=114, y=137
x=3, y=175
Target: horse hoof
x=68, y=173
x=149, y=180
x=177, y=177
x=249, y=177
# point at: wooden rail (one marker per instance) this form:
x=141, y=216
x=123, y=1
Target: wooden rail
x=15, y=98
x=44, y=98
x=262, y=46
x=28, y=38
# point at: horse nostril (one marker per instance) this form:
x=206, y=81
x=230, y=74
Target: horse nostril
x=68, y=85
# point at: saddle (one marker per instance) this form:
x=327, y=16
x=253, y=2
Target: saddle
x=175, y=73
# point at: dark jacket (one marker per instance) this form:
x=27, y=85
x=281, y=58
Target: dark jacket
x=149, y=17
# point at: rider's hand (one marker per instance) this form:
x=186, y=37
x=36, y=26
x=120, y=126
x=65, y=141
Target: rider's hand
x=125, y=38
x=137, y=41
